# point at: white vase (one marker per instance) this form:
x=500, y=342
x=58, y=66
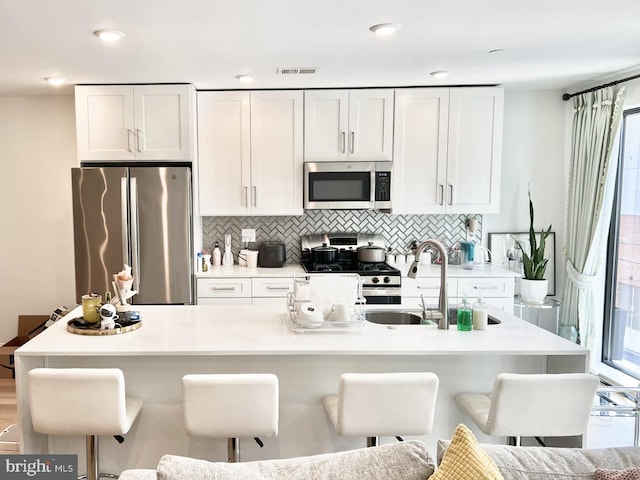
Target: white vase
x=533, y=291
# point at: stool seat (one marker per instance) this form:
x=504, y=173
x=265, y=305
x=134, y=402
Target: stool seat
x=230, y=406
x=528, y=405
x=389, y=404
x=58, y=396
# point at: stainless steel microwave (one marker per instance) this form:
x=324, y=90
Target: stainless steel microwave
x=347, y=185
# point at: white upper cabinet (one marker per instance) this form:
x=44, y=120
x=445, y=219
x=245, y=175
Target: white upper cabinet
x=475, y=150
x=420, y=150
x=224, y=153
x=447, y=150
x=250, y=153
x=348, y=125
x=142, y=122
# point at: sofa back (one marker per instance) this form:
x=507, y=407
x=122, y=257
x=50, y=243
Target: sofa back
x=398, y=461
x=545, y=463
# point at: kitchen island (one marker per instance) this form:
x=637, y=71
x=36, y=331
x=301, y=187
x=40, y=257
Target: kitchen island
x=176, y=340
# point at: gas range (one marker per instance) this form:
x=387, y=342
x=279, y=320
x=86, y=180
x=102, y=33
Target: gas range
x=380, y=281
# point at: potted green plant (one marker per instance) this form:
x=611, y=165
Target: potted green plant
x=533, y=287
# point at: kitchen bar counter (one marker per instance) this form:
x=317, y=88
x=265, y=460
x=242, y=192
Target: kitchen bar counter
x=250, y=330
x=176, y=340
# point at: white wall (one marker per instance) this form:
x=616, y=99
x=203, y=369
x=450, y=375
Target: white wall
x=533, y=156
x=37, y=141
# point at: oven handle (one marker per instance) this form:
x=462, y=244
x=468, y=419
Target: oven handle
x=379, y=292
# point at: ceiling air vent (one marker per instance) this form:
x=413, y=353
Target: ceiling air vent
x=297, y=71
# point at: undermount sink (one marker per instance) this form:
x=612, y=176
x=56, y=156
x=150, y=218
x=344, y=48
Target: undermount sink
x=401, y=317
x=393, y=317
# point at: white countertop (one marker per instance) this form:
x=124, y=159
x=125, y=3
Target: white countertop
x=255, y=330
x=290, y=269
x=456, y=271
x=287, y=270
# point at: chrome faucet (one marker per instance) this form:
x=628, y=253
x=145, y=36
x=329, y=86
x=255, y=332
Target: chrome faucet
x=443, y=301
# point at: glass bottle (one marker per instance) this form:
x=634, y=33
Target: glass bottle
x=465, y=322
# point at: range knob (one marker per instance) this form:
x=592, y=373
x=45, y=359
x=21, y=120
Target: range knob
x=387, y=279
x=375, y=280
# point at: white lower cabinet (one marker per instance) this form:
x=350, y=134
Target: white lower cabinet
x=223, y=291
x=244, y=291
x=496, y=291
x=271, y=291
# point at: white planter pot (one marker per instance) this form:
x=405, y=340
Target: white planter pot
x=533, y=291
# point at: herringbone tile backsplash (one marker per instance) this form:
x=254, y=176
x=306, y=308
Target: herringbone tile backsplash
x=398, y=230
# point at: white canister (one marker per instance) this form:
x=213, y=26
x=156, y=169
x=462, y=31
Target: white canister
x=400, y=258
x=252, y=258
x=425, y=258
x=242, y=258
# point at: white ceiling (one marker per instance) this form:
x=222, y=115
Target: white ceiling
x=547, y=43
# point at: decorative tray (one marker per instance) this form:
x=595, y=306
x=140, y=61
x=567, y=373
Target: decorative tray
x=80, y=327
x=324, y=293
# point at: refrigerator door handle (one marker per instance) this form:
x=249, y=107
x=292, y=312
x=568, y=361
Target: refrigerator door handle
x=135, y=244
x=124, y=207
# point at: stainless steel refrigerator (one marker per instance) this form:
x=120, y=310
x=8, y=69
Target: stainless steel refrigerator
x=139, y=216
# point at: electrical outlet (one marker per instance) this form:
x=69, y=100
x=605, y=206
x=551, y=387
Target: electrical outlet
x=248, y=234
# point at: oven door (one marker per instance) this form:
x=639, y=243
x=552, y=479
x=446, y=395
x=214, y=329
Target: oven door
x=339, y=185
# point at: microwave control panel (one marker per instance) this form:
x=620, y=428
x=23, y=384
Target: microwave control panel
x=383, y=187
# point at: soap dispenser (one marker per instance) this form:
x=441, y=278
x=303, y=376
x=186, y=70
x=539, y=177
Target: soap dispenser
x=227, y=258
x=465, y=322
x=216, y=256
x=480, y=314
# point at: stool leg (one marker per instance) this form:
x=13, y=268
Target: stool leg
x=92, y=457
x=233, y=449
x=514, y=441
x=373, y=441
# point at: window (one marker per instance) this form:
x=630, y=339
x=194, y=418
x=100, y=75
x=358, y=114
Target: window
x=621, y=340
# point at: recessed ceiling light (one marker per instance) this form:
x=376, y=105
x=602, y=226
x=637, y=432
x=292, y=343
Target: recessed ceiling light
x=385, y=28
x=109, y=35
x=440, y=74
x=246, y=78
x=56, y=81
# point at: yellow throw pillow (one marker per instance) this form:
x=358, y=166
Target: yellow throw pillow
x=465, y=460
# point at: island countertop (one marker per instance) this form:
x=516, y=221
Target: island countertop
x=257, y=330
x=174, y=341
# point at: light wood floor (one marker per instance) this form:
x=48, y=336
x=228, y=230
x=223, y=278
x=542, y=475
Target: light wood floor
x=8, y=410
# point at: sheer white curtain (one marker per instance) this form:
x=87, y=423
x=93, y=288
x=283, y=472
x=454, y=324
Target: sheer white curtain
x=596, y=120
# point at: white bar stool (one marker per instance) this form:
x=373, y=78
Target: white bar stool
x=376, y=404
x=54, y=396
x=533, y=405
x=231, y=406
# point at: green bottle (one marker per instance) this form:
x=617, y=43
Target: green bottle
x=465, y=319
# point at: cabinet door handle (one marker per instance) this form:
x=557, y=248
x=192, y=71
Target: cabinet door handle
x=138, y=134
x=255, y=196
x=129, y=133
x=343, y=141
x=246, y=196
x=282, y=287
x=441, y=202
x=224, y=289
x=423, y=287
x=352, y=141
x=485, y=287
x=450, y=194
